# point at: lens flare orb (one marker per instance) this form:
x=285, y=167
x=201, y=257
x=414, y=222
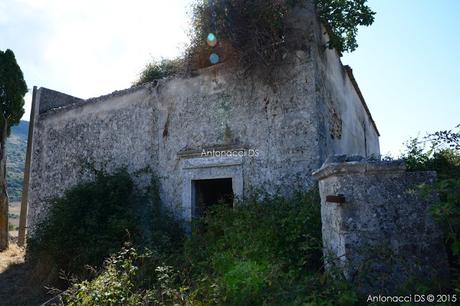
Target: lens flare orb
x=212, y=40
x=214, y=59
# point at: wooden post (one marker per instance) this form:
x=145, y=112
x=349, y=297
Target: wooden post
x=25, y=184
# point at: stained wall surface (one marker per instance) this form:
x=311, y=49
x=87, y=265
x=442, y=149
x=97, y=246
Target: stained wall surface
x=381, y=235
x=109, y=132
x=310, y=111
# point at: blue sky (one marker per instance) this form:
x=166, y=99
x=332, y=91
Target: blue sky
x=406, y=64
x=408, y=68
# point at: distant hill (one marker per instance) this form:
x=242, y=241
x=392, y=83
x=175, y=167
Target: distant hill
x=16, y=146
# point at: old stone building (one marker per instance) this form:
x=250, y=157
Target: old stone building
x=277, y=135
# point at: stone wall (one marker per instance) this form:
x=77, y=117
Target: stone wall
x=377, y=226
x=51, y=99
x=165, y=125
x=344, y=121
x=109, y=132
x=347, y=128
x=221, y=110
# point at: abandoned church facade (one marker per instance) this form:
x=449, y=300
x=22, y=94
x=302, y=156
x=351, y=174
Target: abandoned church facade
x=210, y=133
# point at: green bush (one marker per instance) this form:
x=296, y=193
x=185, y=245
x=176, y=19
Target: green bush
x=92, y=221
x=87, y=224
x=113, y=287
x=267, y=252
x=442, y=156
x=158, y=70
x=123, y=282
x=261, y=253
x=256, y=34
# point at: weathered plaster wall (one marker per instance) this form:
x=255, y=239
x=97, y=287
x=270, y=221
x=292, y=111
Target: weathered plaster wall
x=166, y=125
x=383, y=235
x=218, y=109
x=51, y=99
x=344, y=120
x=347, y=125
x=112, y=131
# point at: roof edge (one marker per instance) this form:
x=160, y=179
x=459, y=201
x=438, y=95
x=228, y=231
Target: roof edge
x=349, y=72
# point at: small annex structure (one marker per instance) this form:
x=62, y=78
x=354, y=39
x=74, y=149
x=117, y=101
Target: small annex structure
x=210, y=136
x=377, y=227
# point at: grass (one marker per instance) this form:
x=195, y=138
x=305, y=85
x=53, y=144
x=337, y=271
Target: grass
x=12, y=256
x=19, y=283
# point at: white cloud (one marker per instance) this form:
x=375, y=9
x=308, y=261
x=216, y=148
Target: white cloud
x=92, y=47
x=107, y=43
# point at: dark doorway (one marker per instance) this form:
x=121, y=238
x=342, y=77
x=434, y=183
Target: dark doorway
x=210, y=192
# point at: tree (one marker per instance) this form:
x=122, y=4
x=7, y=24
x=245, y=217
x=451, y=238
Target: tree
x=440, y=152
x=343, y=18
x=12, y=91
x=256, y=32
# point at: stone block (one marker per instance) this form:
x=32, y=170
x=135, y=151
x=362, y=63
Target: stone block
x=383, y=237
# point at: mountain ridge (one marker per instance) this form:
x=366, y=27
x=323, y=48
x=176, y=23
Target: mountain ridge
x=16, y=146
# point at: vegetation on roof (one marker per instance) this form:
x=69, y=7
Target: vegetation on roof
x=255, y=34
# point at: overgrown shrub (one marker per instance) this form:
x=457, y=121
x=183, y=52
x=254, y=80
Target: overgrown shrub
x=131, y=278
x=251, y=32
x=87, y=224
x=255, y=34
x=440, y=152
x=158, y=70
x=266, y=252
x=113, y=287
